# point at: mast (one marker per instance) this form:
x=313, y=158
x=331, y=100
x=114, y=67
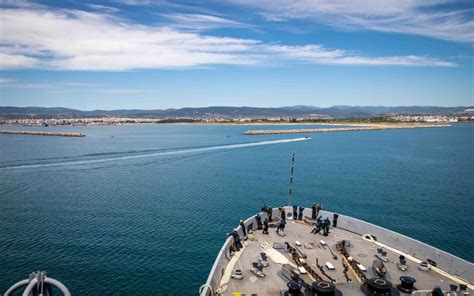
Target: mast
x=291, y=178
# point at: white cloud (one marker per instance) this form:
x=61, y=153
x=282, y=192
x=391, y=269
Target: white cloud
x=80, y=84
x=138, y=2
x=12, y=83
x=71, y=87
x=20, y=3
x=201, y=21
x=318, y=54
x=103, y=8
x=16, y=61
x=79, y=40
x=107, y=91
x=5, y=80
x=420, y=17
x=126, y=91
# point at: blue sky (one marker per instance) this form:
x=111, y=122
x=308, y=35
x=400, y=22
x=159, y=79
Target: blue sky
x=170, y=54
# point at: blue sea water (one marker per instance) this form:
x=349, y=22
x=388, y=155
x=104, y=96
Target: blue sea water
x=143, y=209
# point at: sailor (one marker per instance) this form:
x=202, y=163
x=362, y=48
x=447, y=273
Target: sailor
x=244, y=230
x=259, y=221
x=313, y=211
x=237, y=243
x=281, y=226
x=317, y=228
x=334, y=219
x=295, y=212
x=267, y=210
x=232, y=246
x=300, y=216
x=283, y=223
x=326, y=224
x=270, y=213
x=282, y=213
x=319, y=221
x=318, y=208
x=323, y=226
x=265, y=226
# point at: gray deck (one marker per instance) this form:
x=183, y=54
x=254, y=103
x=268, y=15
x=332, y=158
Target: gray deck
x=360, y=250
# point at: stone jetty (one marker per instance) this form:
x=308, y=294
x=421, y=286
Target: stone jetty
x=344, y=129
x=39, y=133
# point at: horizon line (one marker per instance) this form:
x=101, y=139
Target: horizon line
x=235, y=106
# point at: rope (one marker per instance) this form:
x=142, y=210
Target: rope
x=206, y=286
x=274, y=255
x=228, y=270
x=459, y=280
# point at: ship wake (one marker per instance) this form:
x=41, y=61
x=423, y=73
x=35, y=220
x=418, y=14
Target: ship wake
x=153, y=154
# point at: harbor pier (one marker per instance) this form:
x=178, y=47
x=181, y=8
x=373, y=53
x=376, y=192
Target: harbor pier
x=40, y=133
x=342, y=129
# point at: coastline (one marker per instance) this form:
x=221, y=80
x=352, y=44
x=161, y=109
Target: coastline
x=339, y=123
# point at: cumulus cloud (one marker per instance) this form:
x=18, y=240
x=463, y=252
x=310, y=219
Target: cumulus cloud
x=65, y=39
x=436, y=18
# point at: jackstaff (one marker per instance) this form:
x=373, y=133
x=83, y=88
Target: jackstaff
x=291, y=178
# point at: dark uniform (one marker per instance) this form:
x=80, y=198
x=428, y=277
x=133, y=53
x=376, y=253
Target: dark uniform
x=282, y=213
x=326, y=224
x=237, y=242
x=334, y=219
x=259, y=222
x=244, y=229
x=300, y=216
x=317, y=228
x=265, y=226
x=281, y=225
x=318, y=208
x=270, y=213
x=313, y=211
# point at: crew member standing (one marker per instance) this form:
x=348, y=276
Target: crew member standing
x=300, y=216
x=318, y=208
x=326, y=224
x=244, y=230
x=334, y=219
x=259, y=221
x=265, y=226
x=282, y=213
x=313, y=211
x=269, y=213
x=237, y=243
x=281, y=226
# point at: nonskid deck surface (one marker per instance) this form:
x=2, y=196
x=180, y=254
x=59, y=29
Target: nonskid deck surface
x=361, y=250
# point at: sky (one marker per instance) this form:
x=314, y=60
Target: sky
x=144, y=54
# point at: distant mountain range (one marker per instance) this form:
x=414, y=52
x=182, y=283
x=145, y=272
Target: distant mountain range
x=228, y=112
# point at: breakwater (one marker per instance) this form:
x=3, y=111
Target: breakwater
x=342, y=129
x=38, y=133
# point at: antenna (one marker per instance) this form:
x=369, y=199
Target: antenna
x=291, y=178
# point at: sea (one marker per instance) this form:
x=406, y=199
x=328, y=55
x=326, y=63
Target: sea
x=144, y=209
